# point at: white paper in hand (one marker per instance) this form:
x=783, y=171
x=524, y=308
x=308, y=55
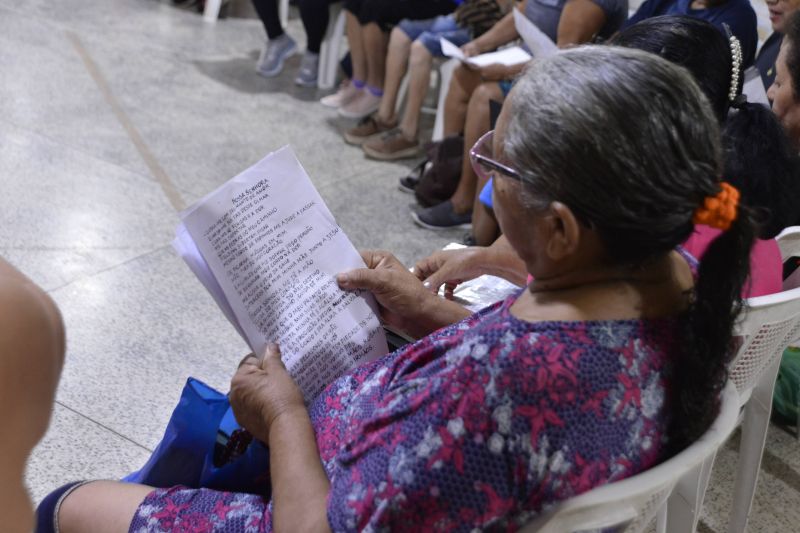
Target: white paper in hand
x=537, y=41
x=274, y=249
x=511, y=56
x=451, y=50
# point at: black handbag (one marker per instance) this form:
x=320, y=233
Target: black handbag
x=439, y=181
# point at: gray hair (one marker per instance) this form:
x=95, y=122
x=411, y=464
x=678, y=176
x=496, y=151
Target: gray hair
x=624, y=138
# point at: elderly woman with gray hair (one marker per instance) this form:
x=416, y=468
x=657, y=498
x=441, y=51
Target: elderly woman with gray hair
x=610, y=360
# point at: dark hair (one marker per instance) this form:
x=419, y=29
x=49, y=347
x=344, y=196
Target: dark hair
x=758, y=157
x=761, y=163
x=628, y=141
x=694, y=44
x=792, y=38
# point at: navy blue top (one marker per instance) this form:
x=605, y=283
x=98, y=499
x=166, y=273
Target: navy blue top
x=765, y=62
x=738, y=14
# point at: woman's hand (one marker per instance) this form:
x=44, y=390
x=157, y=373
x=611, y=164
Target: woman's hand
x=399, y=293
x=471, y=49
x=450, y=267
x=263, y=391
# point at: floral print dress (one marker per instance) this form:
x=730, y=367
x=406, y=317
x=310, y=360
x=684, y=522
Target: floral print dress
x=481, y=425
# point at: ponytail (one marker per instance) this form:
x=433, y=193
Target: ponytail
x=708, y=343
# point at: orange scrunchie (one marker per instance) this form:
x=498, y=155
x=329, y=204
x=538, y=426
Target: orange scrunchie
x=719, y=211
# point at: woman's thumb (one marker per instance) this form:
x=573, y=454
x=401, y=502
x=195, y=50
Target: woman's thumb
x=361, y=278
x=272, y=355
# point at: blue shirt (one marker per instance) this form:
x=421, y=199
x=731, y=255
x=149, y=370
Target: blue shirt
x=738, y=14
x=547, y=13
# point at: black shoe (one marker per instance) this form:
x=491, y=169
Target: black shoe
x=442, y=216
x=408, y=184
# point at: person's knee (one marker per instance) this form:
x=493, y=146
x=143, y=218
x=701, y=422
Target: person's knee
x=398, y=38
x=372, y=30
x=464, y=78
x=420, y=55
x=110, y=504
x=485, y=92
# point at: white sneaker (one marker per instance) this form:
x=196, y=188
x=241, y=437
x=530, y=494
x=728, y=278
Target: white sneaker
x=275, y=54
x=363, y=105
x=347, y=91
x=307, y=74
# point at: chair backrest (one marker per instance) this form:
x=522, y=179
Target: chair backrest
x=770, y=323
x=631, y=504
x=789, y=242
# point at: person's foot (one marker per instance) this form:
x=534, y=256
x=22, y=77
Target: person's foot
x=307, y=74
x=346, y=92
x=391, y=145
x=275, y=54
x=441, y=216
x=361, y=106
x=408, y=184
x=367, y=127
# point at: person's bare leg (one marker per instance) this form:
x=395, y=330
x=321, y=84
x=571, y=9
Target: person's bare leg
x=101, y=507
x=396, y=65
x=419, y=79
x=463, y=82
x=375, y=43
x=355, y=41
x=477, y=123
x=485, y=229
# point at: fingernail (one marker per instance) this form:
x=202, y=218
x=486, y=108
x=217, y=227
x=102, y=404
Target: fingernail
x=272, y=346
x=342, y=279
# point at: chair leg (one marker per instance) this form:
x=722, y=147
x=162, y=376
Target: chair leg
x=661, y=519
x=211, y=10
x=283, y=11
x=445, y=73
x=751, y=448
x=401, y=94
x=329, y=53
x=686, y=501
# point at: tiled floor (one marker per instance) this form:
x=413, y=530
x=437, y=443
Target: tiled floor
x=83, y=211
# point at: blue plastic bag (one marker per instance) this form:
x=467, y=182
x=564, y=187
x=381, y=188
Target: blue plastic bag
x=199, y=448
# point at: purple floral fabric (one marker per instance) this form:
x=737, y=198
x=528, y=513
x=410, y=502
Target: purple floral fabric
x=483, y=424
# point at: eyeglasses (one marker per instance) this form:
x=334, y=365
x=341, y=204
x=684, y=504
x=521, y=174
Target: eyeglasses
x=481, y=156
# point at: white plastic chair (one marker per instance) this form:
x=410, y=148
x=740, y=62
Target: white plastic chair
x=630, y=505
x=330, y=52
x=212, y=7
x=770, y=325
x=789, y=242
x=445, y=74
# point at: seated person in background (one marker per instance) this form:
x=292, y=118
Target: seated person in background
x=31, y=356
x=368, y=25
x=779, y=11
x=785, y=90
x=784, y=93
x=737, y=14
x=413, y=45
x=280, y=46
x=466, y=111
x=612, y=359
x=758, y=159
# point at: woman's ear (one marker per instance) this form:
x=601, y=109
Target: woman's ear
x=565, y=232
